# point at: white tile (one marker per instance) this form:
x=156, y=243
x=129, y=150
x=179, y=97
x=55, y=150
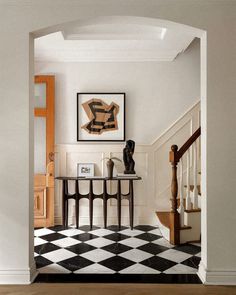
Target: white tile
x=58, y=255
x=65, y=242
x=155, y=231
x=174, y=255
x=139, y=269
x=95, y=268
x=198, y=254
x=39, y=241
x=71, y=232
x=131, y=233
x=36, y=254
x=136, y=255
x=99, y=242
x=133, y=242
x=97, y=255
x=101, y=232
x=163, y=242
x=43, y=231
x=180, y=269
x=53, y=268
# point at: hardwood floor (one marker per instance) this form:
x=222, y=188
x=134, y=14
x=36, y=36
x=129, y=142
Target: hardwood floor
x=115, y=289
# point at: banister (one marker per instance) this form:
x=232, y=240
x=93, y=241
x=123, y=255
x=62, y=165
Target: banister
x=188, y=143
x=174, y=157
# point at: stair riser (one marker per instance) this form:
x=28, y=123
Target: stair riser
x=198, y=201
x=192, y=219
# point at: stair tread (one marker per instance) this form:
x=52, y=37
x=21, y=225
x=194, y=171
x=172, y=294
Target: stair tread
x=192, y=210
x=185, y=227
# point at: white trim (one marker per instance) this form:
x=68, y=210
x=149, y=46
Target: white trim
x=18, y=276
x=216, y=277
x=197, y=104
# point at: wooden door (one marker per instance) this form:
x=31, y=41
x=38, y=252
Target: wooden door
x=44, y=151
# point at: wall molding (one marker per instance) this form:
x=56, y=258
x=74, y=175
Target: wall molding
x=216, y=277
x=19, y=276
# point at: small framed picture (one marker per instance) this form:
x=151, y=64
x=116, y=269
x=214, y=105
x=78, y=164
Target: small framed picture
x=100, y=116
x=85, y=169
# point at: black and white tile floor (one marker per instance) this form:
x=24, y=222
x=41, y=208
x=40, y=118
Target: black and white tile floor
x=109, y=251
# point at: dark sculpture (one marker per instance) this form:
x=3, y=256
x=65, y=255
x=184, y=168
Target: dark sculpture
x=128, y=152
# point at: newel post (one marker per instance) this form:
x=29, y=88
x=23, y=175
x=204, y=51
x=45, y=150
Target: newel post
x=174, y=214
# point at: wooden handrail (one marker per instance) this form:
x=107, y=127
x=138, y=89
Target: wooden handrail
x=189, y=142
x=175, y=154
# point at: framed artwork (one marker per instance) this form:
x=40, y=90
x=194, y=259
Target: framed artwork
x=85, y=169
x=100, y=116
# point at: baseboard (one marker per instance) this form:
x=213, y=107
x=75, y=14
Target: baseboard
x=18, y=276
x=110, y=220
x=216, y=277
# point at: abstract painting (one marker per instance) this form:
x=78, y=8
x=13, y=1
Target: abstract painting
x=100, y=116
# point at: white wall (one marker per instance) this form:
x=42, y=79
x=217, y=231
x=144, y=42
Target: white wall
x=18, y=20
x=157, y=93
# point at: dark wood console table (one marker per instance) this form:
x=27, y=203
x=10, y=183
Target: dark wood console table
x=91, y=196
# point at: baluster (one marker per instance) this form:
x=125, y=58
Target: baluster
x=181, y=194
x=188, y=198
x=174, y=182
x=195, y=190
x=174, y=215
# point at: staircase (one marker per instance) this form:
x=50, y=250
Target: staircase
x=183, y=223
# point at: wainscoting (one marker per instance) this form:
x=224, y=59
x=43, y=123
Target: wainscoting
x=152, y=164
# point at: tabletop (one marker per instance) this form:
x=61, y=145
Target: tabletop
x=98, y=178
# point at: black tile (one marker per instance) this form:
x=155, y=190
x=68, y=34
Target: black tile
x=117, y=263
x=80, y=248
x=84, y=237
x=153, y=248
x=148, y=237
x=116, y=228
x=45, y=248
x=57, y=228
x=145, y=227
x=116, y=248
x=119, y=278
x=158, y=263
x=75, y=263
x=116, y=237
x=87, y=228
x=53, y=237
x=188, y=248
x=192, y=261
x=41, y=261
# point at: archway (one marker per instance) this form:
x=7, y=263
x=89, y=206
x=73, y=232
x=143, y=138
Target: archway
x=162, y=23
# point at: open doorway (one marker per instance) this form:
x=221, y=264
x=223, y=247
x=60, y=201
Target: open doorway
x=85, y=250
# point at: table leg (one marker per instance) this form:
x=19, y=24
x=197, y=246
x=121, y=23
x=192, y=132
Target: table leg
x=77, y=203
x=119, y=202
x=91, y=203
x=131, y=203
x=105, y=203
x=67, y=201
x=63, y=201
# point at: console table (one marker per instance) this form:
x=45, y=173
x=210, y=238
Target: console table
x=77, y=196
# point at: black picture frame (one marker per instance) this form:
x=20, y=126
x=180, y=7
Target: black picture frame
x=123, y=116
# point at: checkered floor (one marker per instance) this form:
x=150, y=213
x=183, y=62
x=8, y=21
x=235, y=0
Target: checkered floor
x=108, y=251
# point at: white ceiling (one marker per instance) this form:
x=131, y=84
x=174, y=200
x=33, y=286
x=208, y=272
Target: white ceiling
x=106, y=41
